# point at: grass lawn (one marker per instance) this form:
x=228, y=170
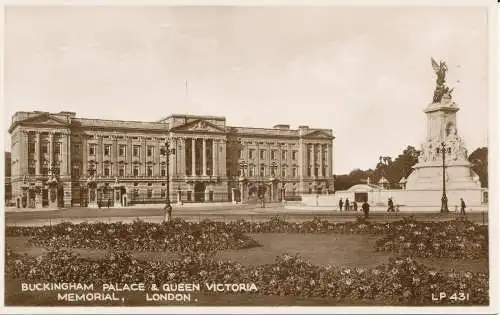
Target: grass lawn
x=320, y=249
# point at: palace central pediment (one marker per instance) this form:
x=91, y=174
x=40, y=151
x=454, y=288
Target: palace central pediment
x=45, y=119
x=198, y=125
x=318, y=134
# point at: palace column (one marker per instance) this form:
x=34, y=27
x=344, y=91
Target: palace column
x=193, y=156
x=222, y=158
x=329, y=161
x=85, y=154
x=181, y=161
x=64, y=154
x=204, y=158
x=130, y=150
x=114, y=157
x=51, y=148
x=99, y=156
x=175, y=166
x=215, y=167
x=310, y=158
x=302, y=160
x=320, y=160
x=37, y=153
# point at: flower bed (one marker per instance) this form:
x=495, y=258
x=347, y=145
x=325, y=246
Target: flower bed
x=455, y=239
x=402, y=281
x=138, y=236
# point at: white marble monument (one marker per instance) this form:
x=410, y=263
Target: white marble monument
x=423, y=189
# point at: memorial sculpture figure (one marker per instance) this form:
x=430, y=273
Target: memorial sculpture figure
x=441, y=92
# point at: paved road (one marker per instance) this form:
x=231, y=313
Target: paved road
x=219, y=213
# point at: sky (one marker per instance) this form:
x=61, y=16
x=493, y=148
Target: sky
x=363, y=72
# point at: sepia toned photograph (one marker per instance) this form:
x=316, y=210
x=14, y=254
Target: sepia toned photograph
x=214, y=156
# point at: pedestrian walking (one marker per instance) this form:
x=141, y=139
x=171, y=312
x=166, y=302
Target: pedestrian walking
x=341, y=203
x=390, y=205
x=366, y=209
x=355, y=206
x=109, y=203
x=462, y=206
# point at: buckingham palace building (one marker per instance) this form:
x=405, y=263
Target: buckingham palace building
x=59, y=160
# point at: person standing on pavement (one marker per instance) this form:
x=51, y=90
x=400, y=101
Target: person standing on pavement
x=462, y=206
x=341, y=203
x=347, y=204
x=366, y=209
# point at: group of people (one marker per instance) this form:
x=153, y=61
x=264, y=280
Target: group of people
x=365, y=207
x=348, y=206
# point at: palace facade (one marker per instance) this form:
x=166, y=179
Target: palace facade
x=60, y=160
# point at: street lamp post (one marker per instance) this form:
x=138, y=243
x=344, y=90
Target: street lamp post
x=243, y=166
x=167, y=151
x=444, y=198
x=273, y=166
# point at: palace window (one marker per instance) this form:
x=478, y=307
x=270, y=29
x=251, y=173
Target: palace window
x=262, y=170
x=31, y=147
x=44, y=148
x=294, y=155
x=251, y=153
x=283, y=171
x=316, y=171
x=162, y=193
x=150, y=151
x=107, y=172
x=122, y=150
x=325, y=154
x=240, y=153
x=323, y=171
x=273, y=154
x=121, y=171
x=150, y=171
x=57, y=148
x=44, y=170
x=150, y=193
x=76, y=148
x=262, y=154
x=163, y=171
x=309, y=170
x=31, y=168
x=136, y=151
x=251, y=171
x=92, y=149
x=136, y=170
x=294, y=172
x=107, y=150
x=283, y=154
x=75, y=171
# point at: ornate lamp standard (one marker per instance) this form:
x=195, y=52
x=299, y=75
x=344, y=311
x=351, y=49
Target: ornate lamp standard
x=273, y=166
x=167, y=151
x=91, y=186
x=52, y=182
x=243, y=166
x=444, y=199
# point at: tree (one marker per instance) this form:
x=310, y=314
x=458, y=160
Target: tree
x=479, y=161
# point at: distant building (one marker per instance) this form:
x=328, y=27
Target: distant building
x=56, y=157
x=8, y=186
